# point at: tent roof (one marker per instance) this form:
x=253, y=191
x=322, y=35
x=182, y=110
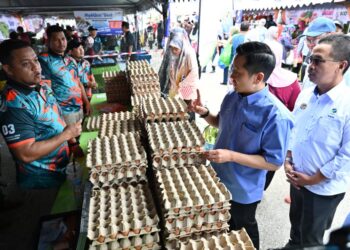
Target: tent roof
x=32, y=6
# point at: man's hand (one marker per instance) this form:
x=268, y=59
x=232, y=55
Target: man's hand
x=87, y=109
x=73, y=130
x=288, y=167
x=219, y=155
x=298, y=179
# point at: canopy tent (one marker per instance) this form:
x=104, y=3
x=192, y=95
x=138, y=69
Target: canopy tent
x=37, y=6
x=276, y=4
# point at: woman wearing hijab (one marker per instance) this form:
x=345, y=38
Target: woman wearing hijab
x=180, y=68
x=282, y=83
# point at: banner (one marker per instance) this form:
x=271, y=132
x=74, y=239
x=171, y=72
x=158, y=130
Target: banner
x=7, y=24
x=106, y=22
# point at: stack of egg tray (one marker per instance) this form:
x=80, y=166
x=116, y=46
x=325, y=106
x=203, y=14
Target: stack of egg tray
x=175, y=144
x=160, y=109
x=137, y=64
x=193, y=200
x=94, y=122
x=110, y=128
x=138, y=99
x=116, y=159
x=117, y=87
x=233, y=240
x=125, y=215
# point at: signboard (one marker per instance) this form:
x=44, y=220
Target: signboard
x=106, y=22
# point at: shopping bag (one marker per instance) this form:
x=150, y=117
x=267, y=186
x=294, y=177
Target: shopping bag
x=225, y=57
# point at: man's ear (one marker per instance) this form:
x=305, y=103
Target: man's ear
x=259, y=77
x=7, y=69
x=343, y=65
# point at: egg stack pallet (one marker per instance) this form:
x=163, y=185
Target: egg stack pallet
x=123, y=215
x=94, y=123
x=116, y=159
x=228, y=241
x=143, y=80
x=175, y=144
x=160, y=109
x=193, y=200
x=117, y=87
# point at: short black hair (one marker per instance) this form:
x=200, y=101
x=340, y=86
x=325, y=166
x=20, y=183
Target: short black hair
x=8, y=46
x=259, y=58
x=20, y=29
x=53, y=29
x=340, y=47
x=244, y=26
x=125, y=25
x=13, y=35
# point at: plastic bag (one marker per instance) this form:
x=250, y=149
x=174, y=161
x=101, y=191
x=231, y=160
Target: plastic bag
x=225, y=57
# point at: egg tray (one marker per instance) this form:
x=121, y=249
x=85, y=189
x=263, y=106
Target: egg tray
x=191, y=189
x=174, y=138
x=121, y=212
x=117, y=87
x=175, y=160
x=175, y=243
x=94, y=123
x=143, y=242
x=137, y=100
x=232, y=240
x=160, y=109
x=110, y=128
x=138, y=63
x=144, y=89
x=124, y=174
x=121, y=150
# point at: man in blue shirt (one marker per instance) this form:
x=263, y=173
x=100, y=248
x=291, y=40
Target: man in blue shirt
x=254, y=128
x=32, y=124
x=318, y=162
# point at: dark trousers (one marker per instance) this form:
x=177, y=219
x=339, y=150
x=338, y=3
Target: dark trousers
x=243, y=215
x=310, y=216
x=225, y=75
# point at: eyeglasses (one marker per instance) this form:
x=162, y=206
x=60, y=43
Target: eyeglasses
x=317, y=60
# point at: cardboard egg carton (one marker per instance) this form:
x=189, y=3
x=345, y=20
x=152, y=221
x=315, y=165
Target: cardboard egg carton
x=137, y=100
x=143, y=89
x=115, y=151
x=117, y=87
x=120, y=212
x=94, y=123
x=175, y=143
x=191, y=190
x=233, y=240
x=143, y=242
x=137, y=64
x=160, y=109
x=110, y=128
x=117, y=175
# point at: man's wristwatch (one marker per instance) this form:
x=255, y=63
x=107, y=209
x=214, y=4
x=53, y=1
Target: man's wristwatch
x=205, y=114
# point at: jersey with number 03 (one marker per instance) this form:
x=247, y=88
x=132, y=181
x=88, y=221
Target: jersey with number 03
x=28, y=116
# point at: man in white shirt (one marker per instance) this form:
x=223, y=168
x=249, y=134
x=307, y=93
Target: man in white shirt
x=318, y=162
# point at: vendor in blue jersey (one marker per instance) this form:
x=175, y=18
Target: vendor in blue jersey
x=32, y=124
x=59, y=68
x=254, y=129
x=76, y=50
x=68, y=90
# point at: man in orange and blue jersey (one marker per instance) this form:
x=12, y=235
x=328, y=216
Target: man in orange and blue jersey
x=76, y=50
x=32, y=124
x=67, y=88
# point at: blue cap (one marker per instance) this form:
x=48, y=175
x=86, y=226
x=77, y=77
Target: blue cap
x=320, y=26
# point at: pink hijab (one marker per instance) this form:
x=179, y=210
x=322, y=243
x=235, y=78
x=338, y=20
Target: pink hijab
x=280, y=77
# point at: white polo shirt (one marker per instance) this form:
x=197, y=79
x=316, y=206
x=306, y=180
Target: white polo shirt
x=321, y=138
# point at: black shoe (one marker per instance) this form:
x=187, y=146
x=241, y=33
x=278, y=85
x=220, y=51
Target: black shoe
x=213, y=69
x=222, y=83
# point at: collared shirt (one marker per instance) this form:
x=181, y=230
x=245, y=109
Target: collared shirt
x=321, y=138
x=255, y=124
x=28, y=115
x=65, y=81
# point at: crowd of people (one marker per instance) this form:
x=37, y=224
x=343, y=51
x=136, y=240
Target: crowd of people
x=270, y=120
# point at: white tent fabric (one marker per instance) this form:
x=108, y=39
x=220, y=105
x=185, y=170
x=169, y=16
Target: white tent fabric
x=275, y=4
